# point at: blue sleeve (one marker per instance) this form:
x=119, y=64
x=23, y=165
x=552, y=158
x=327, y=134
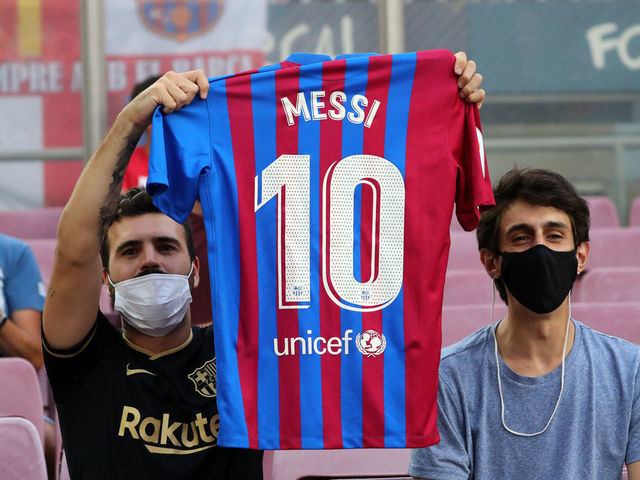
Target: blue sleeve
x=22, y=283
x=180, y=153
x=449, y=459
x=633, y=444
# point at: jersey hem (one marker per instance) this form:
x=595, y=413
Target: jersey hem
x=368, y=442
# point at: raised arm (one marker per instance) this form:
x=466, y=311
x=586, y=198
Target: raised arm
x=74, y=289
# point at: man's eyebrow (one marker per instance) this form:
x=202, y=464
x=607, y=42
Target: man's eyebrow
x=165, y=240
x=556, y=224
x=518, y=226
x=127, y=244
x=526, y=226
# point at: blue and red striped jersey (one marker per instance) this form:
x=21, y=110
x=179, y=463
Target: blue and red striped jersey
x=327, y=189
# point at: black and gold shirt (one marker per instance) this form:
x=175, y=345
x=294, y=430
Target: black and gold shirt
x=127, y=413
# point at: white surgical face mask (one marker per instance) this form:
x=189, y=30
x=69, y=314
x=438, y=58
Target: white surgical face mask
x=155, y=303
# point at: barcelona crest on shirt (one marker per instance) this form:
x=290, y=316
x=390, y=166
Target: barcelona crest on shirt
x=205, y=379
x=180, y=19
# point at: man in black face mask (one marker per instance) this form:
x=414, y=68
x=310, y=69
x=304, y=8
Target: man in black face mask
x=537, y=395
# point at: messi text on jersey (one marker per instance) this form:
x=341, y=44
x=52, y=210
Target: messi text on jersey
x=355, y=109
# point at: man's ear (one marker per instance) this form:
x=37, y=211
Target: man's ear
x=582, y=252
x=105, y=280
x=491, y=262
x=196, y=272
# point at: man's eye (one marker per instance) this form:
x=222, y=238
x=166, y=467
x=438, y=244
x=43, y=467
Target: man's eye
x=166, y=248
x=128, y=251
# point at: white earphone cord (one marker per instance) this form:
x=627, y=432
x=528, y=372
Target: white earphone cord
x=495, y=345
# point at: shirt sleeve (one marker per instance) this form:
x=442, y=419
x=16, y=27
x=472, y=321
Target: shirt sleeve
x=180, y=154
x=473, y=188
x=66, y=368
x=23, y=287
x=633, y=445
x=449, y=459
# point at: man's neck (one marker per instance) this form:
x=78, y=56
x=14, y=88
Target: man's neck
x=157, y=345
x=531, y=344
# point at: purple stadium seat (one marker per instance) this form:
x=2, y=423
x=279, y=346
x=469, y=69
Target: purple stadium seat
x=619, y=319
x=464, y=254
x=351, y=463
x=634, y=213
x=44, y=250
x=614, y=247
x=107, y=308
x=63, y=474
x=603, y=212
x=608, y=284
x=22, y=452
x=20, y=395
x=463, y=287
x=458, y=321
x=32, y=223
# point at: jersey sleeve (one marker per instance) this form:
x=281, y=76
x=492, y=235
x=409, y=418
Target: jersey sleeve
x=449, y=458
x=473, y=187
x=23, y=287
x=180, y=154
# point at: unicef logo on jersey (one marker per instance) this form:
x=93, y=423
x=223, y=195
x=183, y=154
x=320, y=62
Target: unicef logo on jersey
x=371, y=343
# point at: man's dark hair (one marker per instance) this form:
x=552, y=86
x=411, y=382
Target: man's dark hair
x=143, y=85
x=537, y=187
x=135, y=202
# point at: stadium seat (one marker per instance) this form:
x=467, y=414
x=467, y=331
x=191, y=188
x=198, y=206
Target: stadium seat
x=107, y=308
x=608, y=284
x=22, y=452
x=458, y=321
x=634, y=213
x=44, y=250
x=603, y=212
x=614, y=247
x=464, y=254
x=462, y=287
x=619, y=319
x=23, y=398
x=455, y=224
x=32, y=223
x=63, y=474
x=350, y=463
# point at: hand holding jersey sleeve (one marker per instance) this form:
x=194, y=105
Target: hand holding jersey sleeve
x=182, y=156
x=469, y=80
x=171, y=92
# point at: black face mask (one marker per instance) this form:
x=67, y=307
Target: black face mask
x=539, y=278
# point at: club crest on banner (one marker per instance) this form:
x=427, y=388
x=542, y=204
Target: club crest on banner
x=371, y=343
x=204, y=379
x=180, y=19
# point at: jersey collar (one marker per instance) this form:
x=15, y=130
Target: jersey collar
x=154, y=356
x=308, y=58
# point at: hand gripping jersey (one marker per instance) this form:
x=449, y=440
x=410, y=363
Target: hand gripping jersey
x=327, y=189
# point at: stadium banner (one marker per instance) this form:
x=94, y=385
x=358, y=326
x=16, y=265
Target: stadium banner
x=321, y=27
x=41, y=72
x=536, y=47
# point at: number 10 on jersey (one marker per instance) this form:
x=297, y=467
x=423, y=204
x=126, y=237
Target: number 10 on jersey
x=288, y=179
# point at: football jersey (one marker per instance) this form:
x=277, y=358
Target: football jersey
x=327, y=190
